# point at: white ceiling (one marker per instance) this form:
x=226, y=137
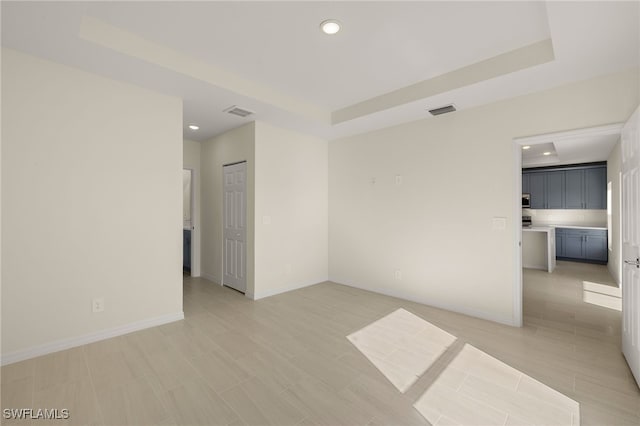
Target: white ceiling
x=582, y=149
x=271, y=58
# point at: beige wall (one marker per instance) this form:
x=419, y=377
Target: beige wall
x=233, y=146
x=287, y=209
x=291, y=211
x=614, y=167
x=191, y=152
x=92, y=205
x=458, y=173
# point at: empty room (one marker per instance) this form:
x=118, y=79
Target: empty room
x=320, y=213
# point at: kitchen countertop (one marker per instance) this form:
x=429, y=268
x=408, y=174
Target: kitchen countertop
x=538, y=228
x=542, y=228
x=602, y=228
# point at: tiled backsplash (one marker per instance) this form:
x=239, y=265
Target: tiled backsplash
x=567, y=217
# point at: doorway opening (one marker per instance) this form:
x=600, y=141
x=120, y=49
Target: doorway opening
x=555, y=149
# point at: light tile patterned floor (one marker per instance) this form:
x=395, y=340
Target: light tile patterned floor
x=602, y=295
x=476, y=388
x=402, y=346
x=284, y=360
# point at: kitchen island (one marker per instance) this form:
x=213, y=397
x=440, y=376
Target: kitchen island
x=539, y=247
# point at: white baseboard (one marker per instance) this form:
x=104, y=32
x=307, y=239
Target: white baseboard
x=73, y=342
x=209, y=277
x=447, y=307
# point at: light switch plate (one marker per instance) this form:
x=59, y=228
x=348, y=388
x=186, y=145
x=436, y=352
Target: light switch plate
x=266, y=220
x=499, y=223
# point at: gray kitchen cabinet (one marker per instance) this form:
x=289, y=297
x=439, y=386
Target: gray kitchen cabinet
x=573, y=244
x=585, y=245
x=595, y=246
x=573, y=187
x=559, y=242
x=537, y=190
x=595, y=180
x=525, y=183
x=554, y=189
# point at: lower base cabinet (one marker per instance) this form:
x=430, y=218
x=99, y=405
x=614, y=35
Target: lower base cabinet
x=584, y=245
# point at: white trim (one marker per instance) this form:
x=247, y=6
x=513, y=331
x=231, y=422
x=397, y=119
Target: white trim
x=506, y=320
x=517, y=229
x=209, y=277
x=73, y=342
x=608, y=129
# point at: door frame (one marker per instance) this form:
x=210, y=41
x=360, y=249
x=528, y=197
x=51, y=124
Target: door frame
x=609, y=129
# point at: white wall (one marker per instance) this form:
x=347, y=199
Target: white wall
x=91, y=195
x=457, y=174
x=614, y=167
x=291, y=210
x=233, y=146
x=191, y=152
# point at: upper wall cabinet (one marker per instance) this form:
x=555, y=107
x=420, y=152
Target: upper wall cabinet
x=546, y=189
x=595, y=185
x=526, y=178
x=574, y=187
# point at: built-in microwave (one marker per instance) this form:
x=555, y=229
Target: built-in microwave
x=526, y=201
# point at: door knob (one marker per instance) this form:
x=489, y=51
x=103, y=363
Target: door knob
x=631, y=262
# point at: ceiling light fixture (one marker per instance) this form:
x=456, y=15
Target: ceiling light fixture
x=330, y=26
x=526, y=147
x=546, y=153
x=193, y=127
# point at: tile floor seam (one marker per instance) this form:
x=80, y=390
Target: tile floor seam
x=85, y=357
x=239, y=415
x=478, y=401
x=506, y=419
x=519, y=382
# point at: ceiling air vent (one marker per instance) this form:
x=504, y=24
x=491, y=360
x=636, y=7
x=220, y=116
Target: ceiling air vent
x=240, y=112
x=442, y=110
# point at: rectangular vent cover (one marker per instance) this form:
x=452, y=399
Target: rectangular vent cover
x=240, y=112
x=442, y=110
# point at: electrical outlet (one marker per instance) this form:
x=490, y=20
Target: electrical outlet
x=398, y=179
x=398, y=274
x=97, y=304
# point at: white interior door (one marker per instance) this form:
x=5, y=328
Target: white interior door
x=631, y=243
x=235, y=227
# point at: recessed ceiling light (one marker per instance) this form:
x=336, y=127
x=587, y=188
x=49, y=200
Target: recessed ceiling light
x=526, y=147
x=193, y=127
x=330, y=26
x=546, y=153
